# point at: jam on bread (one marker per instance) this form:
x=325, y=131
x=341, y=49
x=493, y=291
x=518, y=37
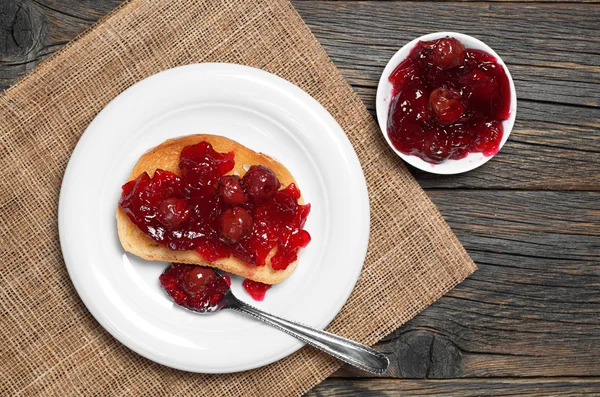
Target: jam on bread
x=208, y=200
x=219, y=215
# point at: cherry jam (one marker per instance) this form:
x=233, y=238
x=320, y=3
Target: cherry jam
x=219, y=215
x=448, y=101
x=255, y=289
x=195, y=287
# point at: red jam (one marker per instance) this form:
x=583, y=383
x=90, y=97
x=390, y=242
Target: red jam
x=256, y=290
x=448, y=101
x=219, y=215
x=195, y=287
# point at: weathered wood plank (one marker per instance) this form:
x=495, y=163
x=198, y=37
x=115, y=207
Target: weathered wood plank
x=21, y=28
x=88, y=11
x=31, y=30
x=531, y=308
x=457, y=387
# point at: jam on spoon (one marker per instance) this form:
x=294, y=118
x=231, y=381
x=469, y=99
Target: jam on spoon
x=194, y=287
x=448, y=101
x=200, y=288
x=204, y=290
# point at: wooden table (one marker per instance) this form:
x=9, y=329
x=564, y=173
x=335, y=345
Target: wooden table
x=528, y=320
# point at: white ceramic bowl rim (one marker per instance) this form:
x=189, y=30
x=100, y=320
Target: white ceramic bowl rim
x=384, y=95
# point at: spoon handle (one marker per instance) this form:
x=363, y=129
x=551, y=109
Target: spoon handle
x=351, y=352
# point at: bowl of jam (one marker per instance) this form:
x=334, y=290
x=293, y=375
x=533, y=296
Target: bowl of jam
x=446, y=103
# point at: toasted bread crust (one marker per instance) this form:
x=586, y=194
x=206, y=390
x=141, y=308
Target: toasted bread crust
x=166, y=157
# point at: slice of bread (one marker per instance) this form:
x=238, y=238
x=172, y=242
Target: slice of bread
x=166, y=157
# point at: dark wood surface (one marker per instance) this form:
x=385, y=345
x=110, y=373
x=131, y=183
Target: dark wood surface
x=527, y=322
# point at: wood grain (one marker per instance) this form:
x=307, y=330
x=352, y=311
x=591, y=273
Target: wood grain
x=529, y=218
x=31, y=30
x=457, y=388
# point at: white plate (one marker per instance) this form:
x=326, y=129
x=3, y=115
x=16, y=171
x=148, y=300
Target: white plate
x=264, y=113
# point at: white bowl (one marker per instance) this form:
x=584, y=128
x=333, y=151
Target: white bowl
x=384, y=96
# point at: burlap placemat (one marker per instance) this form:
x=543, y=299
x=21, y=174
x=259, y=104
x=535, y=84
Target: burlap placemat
x=50, y=342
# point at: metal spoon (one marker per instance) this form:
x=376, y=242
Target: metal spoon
x=350, y=352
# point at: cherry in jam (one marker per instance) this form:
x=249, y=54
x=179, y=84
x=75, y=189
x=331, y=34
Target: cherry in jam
x=236, y=223
x=194, y=287
x=230, y=188
x=219, y=215
x=260, y=182
x=448, y=101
